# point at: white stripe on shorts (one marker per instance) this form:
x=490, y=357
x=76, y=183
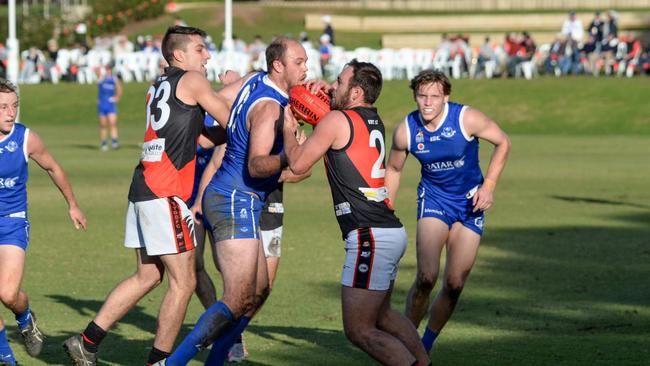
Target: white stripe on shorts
x=232, y=213
x=253, y=218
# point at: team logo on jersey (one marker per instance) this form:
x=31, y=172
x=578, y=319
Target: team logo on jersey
x=448, y=132
x=419, y=137
x=12, y=146
x=243, y=214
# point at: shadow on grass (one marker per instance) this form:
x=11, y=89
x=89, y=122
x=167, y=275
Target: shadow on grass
x=600, y=201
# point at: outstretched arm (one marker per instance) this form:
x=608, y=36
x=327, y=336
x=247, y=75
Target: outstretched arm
x=38, y=152
x=301, y=157
x=396, y=160
x=481, y=126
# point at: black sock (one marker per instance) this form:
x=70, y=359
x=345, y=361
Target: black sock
x=93, y=336
x=156, y=355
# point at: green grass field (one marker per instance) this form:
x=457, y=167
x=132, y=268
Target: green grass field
x=561, y=278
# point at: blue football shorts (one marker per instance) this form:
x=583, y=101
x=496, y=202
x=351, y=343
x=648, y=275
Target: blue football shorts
x=14, y=231
x=450, y=210
x=104, y=109
x=232, y=215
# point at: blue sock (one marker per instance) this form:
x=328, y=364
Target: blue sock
x=6, y=354
x=428, y=338
x=215, y=319
x=23, y=319
x=221, y=346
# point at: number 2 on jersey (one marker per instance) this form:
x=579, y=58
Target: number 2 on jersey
x=377, y=171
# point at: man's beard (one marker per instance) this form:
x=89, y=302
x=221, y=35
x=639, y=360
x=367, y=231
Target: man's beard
x=341, y=104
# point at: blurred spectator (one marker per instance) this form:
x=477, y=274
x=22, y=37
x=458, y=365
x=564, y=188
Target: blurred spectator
x=121, y=45
x=80, y=30
x=32, y=66
x=209, y=42
x=608, y=52
x=140, y=43
x=179, y=21
x=596, y=29
x=630, y=60
x=328, y=28
x=525, y=52
x=238, y=44
x=589, y=54
x=149, y=45
x=486, y=55
x=257, y=48
x=611, y=25
x=305, y=42
x=325, y=51
x=572, y=27
x=52, y=53
x=511, y=47
x=3, y=61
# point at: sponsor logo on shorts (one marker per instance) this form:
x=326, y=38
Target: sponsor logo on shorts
x=365, y=253
x=153, y=150
x=243, y=229
x=431, y=210
x=276, y=208
x=243, y=214
x=342, y=208
x=448, y=132
x=478, y=222
x=363, y=268
x=8, y=182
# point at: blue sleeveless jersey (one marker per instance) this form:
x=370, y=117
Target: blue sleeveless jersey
x=233, y=173
x=203, y=157
x=14, y=173
x=449, y=158
x=106, y=88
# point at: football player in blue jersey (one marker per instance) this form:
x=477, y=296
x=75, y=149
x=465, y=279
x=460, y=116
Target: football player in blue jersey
x=18, y=144
x=452, y=194
x=109, y=93
x=233, y=201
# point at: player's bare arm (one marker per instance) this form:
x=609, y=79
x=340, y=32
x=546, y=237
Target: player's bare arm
x=327, y=133
x=118, y=90
x=38, y=152
x=262, y=120
x=194, y=88
x=210, y=169
x=481, y=126
x=396, y=160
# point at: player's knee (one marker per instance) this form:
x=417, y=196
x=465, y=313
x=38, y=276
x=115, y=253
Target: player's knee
x=453, y=288
x=359, y=336
x=149, y=280
x=425, y=281
x=9, y=297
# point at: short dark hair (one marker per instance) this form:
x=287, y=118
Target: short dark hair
x=177, y=38
x=276, y=51
x=431, y=76
x=368, y=77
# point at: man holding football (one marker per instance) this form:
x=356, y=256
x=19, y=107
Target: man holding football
x=234, y=198
x=351, y=139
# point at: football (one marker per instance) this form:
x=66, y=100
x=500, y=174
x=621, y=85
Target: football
x=307, y=106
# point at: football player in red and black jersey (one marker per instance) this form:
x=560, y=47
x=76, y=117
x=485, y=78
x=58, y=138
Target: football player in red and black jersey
x=351, y=139
x=159, y=225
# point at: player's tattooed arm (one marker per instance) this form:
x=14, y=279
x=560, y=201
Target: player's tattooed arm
x=38, y=152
